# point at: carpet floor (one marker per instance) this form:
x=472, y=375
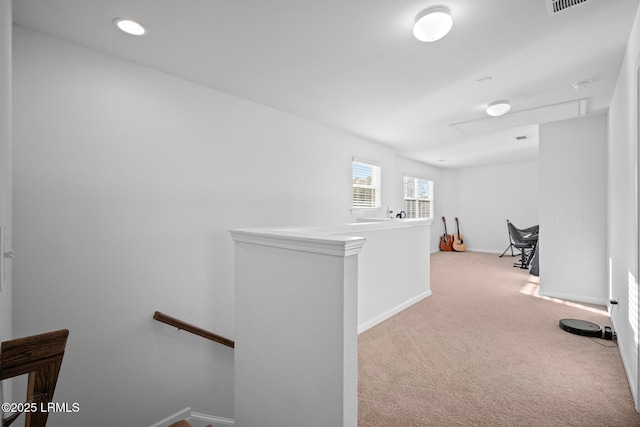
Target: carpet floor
x=485, y=350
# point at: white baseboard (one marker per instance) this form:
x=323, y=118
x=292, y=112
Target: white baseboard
x=487, y=251
x=180, y=415
x=575, y=298
x=195, y=419
x=395, y=310
x=628, y=365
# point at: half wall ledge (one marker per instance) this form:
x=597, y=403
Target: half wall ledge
x=300, y=294
x=300, y=241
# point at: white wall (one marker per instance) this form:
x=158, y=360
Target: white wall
x=573, y=211
x=447, y=205
x=127, y=181
x=489, y=195
x=5, y=170
x=393, y=270
x=623, y=199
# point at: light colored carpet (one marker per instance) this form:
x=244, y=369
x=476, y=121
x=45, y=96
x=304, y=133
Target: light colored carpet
x=483, y=350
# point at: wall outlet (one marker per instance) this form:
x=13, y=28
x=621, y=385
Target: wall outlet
x=574, y=218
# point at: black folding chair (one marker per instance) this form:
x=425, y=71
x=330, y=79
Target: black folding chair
x=524, y=240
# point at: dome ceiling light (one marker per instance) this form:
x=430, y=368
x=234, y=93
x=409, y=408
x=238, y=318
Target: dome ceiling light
x=581, y=85
x=498, y=108
x=130, y=26
x=432, y=24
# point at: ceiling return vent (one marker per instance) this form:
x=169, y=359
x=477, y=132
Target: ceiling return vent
x=557, y=6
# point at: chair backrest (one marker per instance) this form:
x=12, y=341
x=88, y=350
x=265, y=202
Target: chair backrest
x=517, y=234
x=39, y=356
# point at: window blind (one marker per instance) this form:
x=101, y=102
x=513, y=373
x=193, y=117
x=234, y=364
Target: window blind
x=417, y=197
x=366, y=185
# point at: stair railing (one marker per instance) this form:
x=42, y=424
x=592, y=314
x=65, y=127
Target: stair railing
x=161, y=317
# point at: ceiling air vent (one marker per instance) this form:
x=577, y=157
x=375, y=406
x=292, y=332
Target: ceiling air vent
x=556, y=6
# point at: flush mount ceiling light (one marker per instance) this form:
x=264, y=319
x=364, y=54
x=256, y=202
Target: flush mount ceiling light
x=130, y=26
x=581, y=85
x=498, y=108
x=432, y=24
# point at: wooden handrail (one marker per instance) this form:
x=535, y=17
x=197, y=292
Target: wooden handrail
x=161, y=317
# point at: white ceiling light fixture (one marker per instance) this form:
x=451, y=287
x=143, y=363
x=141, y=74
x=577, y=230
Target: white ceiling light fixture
x=433, y=23
x=130, y=26
x=498, y=108
x=581, y=85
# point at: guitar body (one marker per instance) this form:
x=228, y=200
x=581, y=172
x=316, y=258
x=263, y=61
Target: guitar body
x=446, y=240
x=446, y=243
x=458, y=243
x=458, y=240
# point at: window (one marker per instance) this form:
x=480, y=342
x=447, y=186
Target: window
x=366, y=185
x=418, y=197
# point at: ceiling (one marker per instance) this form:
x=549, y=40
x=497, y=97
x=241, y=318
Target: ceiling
x=355, y=65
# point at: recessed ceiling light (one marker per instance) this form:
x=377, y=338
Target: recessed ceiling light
x=432, y=24
x=130, y=26
x=498, y=108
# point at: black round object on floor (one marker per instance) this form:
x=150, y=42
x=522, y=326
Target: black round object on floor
x=581, y=327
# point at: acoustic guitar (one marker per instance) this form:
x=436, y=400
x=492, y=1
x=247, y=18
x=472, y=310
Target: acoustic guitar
x=446, y=241
x=458, y=240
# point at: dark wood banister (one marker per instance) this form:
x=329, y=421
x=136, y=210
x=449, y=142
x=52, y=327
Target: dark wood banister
x=161, y=317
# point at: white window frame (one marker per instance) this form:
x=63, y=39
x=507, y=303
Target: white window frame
x=375, y=185
x=419, y=201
